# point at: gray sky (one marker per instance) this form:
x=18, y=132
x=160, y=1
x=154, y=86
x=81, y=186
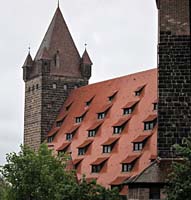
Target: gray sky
x=121, y=37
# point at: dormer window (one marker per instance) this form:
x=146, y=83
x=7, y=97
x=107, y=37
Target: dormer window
x=150, y=122
x=68, y=106
x=98, y=164
x=63, y=148
x=91, y=133
x=109, y=145
x=81, y=117
x=50, y=139
x=139, y=90
x=138, y=146
x=127, y=111
x=155, y=106
x=128, y=163
x=129, y=107
x=69, y=136
x=139, y=142
x=126, y=167
x=103, y=112
x=59, y=123
x=112, y=96
x=148, y=125
x=96, y=168
x=120, y=125
x=117, y=129
x=60, y=120
x=89, y=101
x=52, y=134
x=93, y=129
x=82, y=149
x=107, y=148
x=77, y=162
x=101, y=115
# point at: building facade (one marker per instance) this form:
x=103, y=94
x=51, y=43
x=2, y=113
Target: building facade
x=120, y=132
x=56, y=70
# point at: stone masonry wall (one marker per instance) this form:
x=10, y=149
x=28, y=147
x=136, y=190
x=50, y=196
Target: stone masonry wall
x=54, y=98
x=32, y=115
x=44, y=97
x=174, y=81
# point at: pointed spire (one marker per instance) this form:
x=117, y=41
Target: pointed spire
x=58, y=4
x=44, y=55
x=58, y=37
x=86, y=58
x=28, y=62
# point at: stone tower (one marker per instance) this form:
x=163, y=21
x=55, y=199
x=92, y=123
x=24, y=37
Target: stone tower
x=56, y=70
x=174, y=81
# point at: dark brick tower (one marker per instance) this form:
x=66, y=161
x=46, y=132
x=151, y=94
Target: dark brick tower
x=55, y=71
x=174, y=65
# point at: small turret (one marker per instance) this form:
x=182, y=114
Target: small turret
x=86, y=65
x=26, y=67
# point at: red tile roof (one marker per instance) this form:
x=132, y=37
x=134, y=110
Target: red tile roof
x=111, y=141
x=61, y=117
x=73, y=128
x=104, y=108
x=85, y=143
x=131, y=158
x=119, y=180
x=124, y=190
x=126, y=87
x=77, y=161
x=122, y=121
x=141, y=138
x=130, y=104
x=53, y=131
x=95, y=125
x=99, y=161
x=63, y=146
x=150, y=118
x=139, y=88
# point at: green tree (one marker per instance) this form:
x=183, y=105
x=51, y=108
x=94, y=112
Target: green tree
x=3, y=188
x=42, y=176
x=179, y=184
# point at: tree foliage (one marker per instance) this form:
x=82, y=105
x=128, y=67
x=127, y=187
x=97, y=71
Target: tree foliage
x=3, y=188
x=42, y=176
x=179, y=185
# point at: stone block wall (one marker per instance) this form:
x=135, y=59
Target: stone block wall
x=174, y=80
x=44, y=97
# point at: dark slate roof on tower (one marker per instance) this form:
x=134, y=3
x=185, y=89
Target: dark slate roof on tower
x=28, y=61
x=86, y=58
x=58, y=39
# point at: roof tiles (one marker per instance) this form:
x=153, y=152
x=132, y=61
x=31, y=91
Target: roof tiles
x=126, y=87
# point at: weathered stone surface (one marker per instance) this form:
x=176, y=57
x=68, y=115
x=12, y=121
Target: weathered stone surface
x=174, y=80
